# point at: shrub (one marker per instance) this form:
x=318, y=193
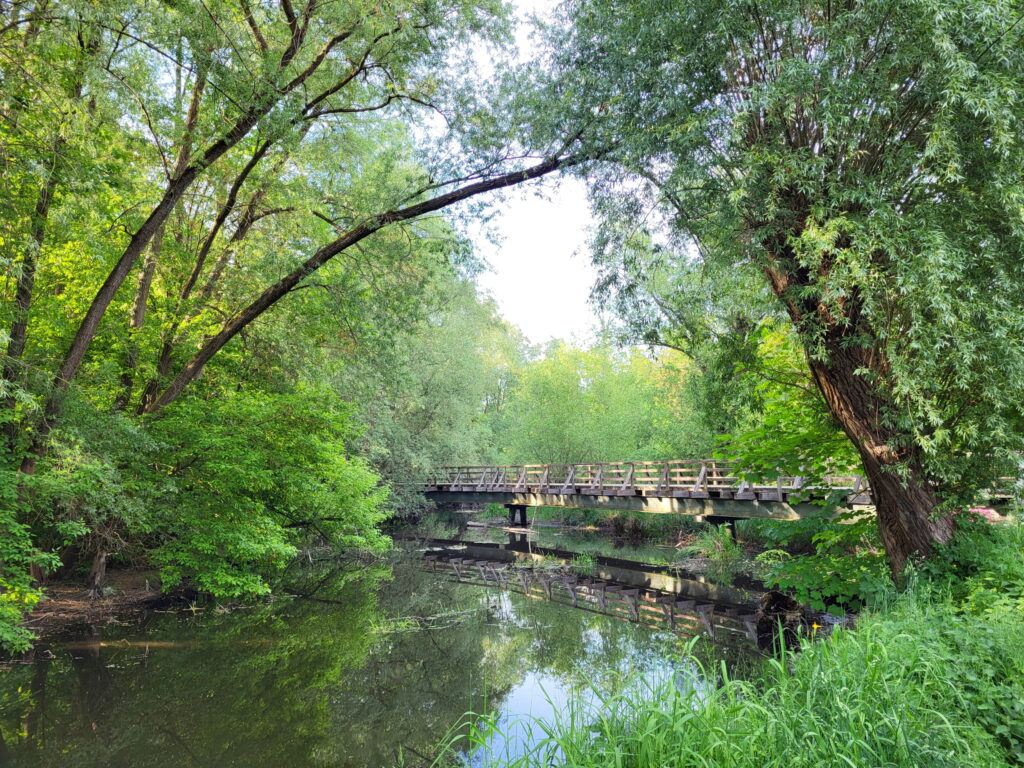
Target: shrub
x=847, y=572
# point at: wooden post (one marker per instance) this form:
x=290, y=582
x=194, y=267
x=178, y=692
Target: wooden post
x=627, y=482
x=569, y=478
x=512, y=510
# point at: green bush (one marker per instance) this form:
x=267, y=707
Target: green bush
x=791, y=535
x=833, y=583
x=18, y=594
x=773, y=557
x=847, y=572
x=256, y=477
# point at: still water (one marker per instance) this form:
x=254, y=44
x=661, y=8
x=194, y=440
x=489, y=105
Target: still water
x=366, y=667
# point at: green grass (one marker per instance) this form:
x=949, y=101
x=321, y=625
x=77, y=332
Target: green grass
x=714, y=543
x=584, y=562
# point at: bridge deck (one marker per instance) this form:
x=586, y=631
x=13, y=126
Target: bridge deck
x=690, y=487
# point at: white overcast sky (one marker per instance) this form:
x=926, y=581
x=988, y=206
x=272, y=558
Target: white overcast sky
x=540, y=272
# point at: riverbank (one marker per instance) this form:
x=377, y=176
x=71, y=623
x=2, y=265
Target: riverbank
x=125, y=595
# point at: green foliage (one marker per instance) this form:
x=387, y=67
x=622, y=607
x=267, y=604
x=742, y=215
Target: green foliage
x=220, y=493
x=992, y=679
x=711, y=317
x=772, y=557
x=580, y=405
x=89, y=493
x=252, y=477
x=848, y=571
x=18, y=594
x=430, y=397
x=266, y=136
x=791, y=535
x=833, y=583
x=862, y=163
x=791, y=433
x=982, y=568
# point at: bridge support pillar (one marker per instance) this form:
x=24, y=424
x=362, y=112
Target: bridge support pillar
x=512, y=510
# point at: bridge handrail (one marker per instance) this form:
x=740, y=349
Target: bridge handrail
x=695, y=477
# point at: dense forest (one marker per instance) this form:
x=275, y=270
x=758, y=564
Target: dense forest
x=240, y=317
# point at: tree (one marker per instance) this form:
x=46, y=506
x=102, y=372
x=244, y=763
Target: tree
x=251, y=85
x=213, y=208
x=580, y=405
x=428, y=396
x=713, y=316
x=864, y=159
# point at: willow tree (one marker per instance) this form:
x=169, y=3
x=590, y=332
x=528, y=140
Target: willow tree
x=865, y=158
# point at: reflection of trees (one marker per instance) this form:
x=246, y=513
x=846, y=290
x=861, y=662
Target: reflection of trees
x=244, y=689
x=369, y=663
x=419, y=684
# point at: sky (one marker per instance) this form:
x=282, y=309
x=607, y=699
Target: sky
x=540, y=272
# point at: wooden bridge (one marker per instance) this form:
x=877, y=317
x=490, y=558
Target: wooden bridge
x=702, y=488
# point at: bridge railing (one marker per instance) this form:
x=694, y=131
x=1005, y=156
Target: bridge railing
x=684, y=478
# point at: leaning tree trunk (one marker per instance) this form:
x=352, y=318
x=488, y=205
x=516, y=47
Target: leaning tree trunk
x=904, y=497
x=23, y=302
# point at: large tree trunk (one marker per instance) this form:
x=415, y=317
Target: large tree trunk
x=98, y=571
x=850, y=376
x=903, y=494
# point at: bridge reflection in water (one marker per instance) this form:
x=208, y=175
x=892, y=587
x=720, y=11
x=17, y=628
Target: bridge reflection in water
x=648, y=595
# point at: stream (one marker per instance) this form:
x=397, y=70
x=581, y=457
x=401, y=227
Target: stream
x=368, y=666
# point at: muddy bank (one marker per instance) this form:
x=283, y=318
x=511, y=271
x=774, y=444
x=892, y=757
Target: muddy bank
x=125, y=594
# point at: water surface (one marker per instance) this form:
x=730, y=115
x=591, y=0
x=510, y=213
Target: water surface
x=369, y=667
